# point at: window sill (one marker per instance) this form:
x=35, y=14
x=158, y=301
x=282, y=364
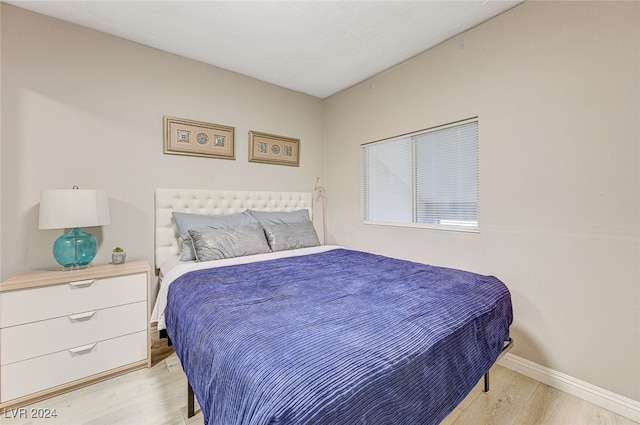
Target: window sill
x=463, y=229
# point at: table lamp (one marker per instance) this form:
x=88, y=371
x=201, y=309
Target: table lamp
x=72, y=209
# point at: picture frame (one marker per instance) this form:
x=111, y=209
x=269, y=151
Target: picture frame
x=197, y=138
x=273, y=149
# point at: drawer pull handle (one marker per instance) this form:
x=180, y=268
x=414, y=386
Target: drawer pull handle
x=82, y=283
x=82, y=316
x=83, y=349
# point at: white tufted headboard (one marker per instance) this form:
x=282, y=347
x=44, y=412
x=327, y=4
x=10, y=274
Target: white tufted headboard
x=213, y=202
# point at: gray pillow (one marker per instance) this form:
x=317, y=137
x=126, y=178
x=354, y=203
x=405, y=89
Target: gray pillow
x=291, y=236
x=280, y=217
x=186, y=221
x=216, y=244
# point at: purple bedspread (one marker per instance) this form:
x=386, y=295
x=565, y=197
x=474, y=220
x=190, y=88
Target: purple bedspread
x=337, y=338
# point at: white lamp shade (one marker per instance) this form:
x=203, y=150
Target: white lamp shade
x=69, y=208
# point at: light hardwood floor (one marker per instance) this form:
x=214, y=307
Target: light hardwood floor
x=157, y=396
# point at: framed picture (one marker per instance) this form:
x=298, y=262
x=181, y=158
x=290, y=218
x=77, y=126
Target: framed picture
x=196, y=138
x=272, y=149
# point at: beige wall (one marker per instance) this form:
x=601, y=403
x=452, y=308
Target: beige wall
x=84, y=108
x=556, y=86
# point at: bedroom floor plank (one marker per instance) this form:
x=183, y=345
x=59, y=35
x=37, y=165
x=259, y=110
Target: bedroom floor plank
x=509, y=394
x=549, y=406
x=593, y=415
x=157, y=396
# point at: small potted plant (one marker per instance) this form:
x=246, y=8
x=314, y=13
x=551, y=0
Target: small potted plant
x=118, y=255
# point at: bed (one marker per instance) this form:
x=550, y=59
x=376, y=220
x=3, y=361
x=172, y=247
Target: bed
x=313, y=334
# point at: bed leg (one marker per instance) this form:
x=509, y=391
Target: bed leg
x=190, y=401
x=508, y=346
x=163, y=334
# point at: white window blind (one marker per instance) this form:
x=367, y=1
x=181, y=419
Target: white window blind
x=388, y=182
x=429, y=178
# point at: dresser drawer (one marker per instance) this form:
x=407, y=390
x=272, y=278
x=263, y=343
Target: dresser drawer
x=46, y=302
x=40, y=373
x=48, y=336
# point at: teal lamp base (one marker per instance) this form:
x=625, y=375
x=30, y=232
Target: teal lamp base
x=75, y=249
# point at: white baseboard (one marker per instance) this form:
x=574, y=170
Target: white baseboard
x=616, y=403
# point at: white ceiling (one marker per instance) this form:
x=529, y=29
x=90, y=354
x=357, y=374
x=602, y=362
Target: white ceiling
x=314, y=47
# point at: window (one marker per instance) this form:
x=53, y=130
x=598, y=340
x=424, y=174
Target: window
x=429, y=178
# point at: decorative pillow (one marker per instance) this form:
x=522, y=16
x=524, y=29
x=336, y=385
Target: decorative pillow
x=186, y=221
x=216, y=244
x=280, y=217
x=291, y=236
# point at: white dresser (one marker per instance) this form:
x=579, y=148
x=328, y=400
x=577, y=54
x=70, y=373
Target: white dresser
x=60, y=330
